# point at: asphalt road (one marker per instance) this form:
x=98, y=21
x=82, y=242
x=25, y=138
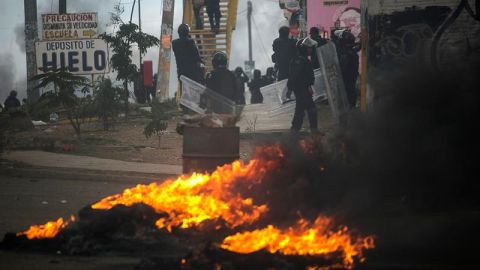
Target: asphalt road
x=36, y=196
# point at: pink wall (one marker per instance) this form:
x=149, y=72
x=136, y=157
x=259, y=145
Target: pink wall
x=323, y=16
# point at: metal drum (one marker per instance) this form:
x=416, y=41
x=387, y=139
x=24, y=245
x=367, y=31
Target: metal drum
x=204, y=149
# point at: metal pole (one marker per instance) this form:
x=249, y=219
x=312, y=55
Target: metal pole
x=31, y=35
x=140, y=51
x=62, y=6
x=249, y=17
x=131, y=12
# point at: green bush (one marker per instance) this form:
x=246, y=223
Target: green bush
x=107, y=102
x=160, y=114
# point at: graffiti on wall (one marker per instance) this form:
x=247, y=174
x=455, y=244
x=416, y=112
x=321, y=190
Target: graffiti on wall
x=435, y=36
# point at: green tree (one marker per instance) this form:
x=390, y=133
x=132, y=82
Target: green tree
x=64, y=83
x=121, y=43
x=107, y=100
x=160, y=114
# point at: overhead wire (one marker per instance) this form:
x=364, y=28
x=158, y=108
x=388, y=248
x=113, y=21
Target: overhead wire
x=241, y=12
x=265, y=53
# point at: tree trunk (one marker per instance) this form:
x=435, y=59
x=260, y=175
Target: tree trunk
x=159, y=140
x=125, y=86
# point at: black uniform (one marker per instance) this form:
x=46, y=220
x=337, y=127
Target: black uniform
x=213, y=11
x=314, y=58
x=187, y=57
x=349, y=64
x=284, y=50
x=224, y=82
x=197, y=7
x=300, y=80
x=254, y=86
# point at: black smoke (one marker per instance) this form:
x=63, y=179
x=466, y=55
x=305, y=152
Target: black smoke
x=405, y=171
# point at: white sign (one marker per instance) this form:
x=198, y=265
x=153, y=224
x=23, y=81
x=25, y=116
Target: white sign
x=249, y=68
x=69, y=26
x=81, y=57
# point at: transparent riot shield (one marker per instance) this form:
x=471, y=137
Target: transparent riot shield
x=335, y=89
x=202, y=100
x=287, y=105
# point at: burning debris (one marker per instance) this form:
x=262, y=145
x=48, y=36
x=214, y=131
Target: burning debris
x=47, y=230
x=226, y=215
x=302, y=239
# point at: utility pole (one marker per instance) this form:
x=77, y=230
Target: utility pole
x=165, y=53
x=62, y=6
x=250, y=64
x=31, y=34
x=140, y=83
x=249, y=17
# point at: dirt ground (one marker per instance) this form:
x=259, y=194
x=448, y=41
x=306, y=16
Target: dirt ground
x=126, y=141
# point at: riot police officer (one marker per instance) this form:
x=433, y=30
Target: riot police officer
x=222, y=81
x=186, y=54
x=300, y=82
x=283, y=52
x=214, y=14
x=347, y=52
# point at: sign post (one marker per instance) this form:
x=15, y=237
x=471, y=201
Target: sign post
x=249, y=68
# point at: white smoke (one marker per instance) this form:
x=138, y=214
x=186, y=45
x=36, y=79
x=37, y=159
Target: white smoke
x=7, y=75
x=20, y=36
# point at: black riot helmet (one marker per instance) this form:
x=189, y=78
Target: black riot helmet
x=283, y=31
x=219, y=60
x=183, y=30
x=348, y=38
x=344, y=37
x=270, y=71
x=238, y=71
x=257, y=74
x=314, y=31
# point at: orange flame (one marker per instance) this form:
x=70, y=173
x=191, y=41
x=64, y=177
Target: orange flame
x=302, y=239
x=47, y=230
x=191, y=200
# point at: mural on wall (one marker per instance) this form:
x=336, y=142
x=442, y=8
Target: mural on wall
x=444, y=38
x=334, y=14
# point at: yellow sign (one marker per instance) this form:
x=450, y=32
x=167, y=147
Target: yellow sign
x=89, y=33
x=69, y=26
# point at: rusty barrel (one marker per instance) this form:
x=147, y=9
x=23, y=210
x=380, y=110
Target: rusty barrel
x=204, y=148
